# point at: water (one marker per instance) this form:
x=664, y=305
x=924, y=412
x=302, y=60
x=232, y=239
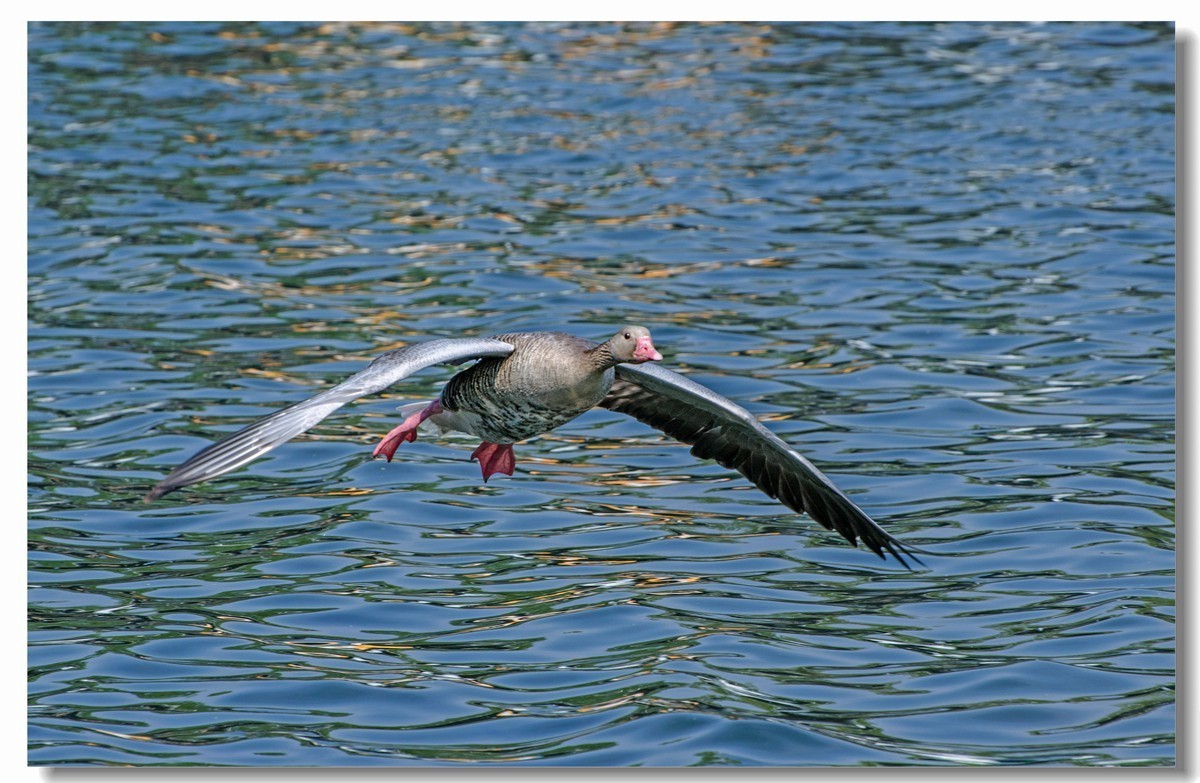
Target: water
x=938, y=258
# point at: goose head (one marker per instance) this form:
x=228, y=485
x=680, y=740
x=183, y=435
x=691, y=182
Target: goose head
x=632, y=344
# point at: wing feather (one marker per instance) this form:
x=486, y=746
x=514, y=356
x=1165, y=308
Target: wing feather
x=718, y=428
x=253, y=441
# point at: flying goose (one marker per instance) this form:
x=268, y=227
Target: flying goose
x=525, y=384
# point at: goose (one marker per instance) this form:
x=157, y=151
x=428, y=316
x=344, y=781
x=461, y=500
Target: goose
x=528, y=383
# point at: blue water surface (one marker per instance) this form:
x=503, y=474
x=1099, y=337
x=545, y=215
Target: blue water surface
x=937, y=258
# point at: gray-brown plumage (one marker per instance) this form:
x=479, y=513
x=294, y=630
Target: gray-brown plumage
x=526, y=384
x=550, y=378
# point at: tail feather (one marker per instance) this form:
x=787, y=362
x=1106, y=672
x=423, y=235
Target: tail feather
x=446, y=421
x=416, y=407
x=413, y=407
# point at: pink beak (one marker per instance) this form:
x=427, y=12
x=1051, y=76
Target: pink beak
x=645, y=352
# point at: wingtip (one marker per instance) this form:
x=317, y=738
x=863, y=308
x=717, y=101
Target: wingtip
x=156, y=493
x=918, y=561
x=902, y=554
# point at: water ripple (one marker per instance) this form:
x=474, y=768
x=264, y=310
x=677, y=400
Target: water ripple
x=938, y=258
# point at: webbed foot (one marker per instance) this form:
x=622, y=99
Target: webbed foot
x=495, y=458
x=406, y=432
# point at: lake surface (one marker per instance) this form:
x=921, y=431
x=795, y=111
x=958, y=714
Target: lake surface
x=939, y=259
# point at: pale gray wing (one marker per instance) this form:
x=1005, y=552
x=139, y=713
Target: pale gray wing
x=257, y=439
x=719, y=429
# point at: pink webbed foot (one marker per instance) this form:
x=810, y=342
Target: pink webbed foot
x=406, y=432
x=495, y=458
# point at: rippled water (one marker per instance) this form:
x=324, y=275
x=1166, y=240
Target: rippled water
x=937, y=258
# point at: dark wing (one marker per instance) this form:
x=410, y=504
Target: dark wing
x=270, y=431
x=719, y=429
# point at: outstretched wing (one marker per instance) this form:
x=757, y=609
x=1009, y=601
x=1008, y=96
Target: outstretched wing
x=257, y=439
x=719, y=429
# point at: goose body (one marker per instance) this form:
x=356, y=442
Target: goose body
x=526, y=384
x=540, y=386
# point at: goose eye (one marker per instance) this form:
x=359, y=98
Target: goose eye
x=627, y=335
